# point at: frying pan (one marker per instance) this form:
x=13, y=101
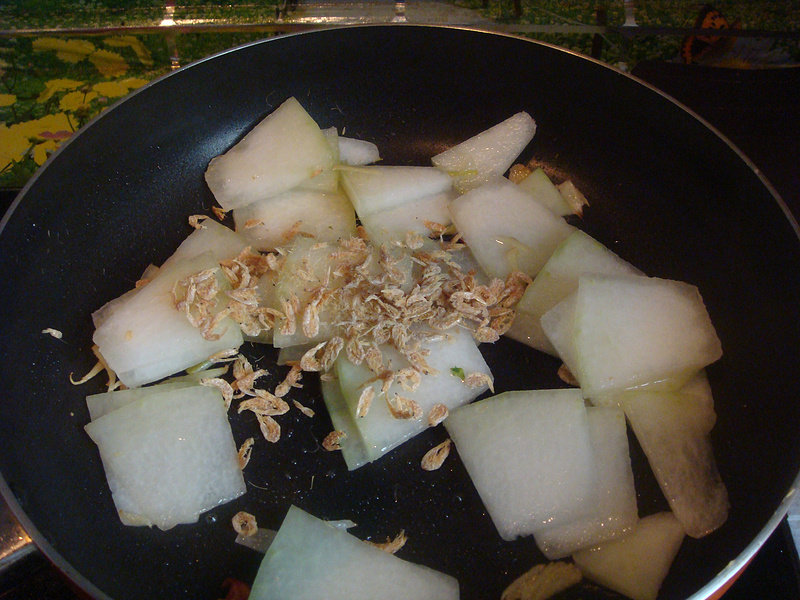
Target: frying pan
x=667, y=193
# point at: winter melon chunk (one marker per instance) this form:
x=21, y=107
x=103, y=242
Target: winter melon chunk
x=283, y=150
x=633, y=331
x=312, y=560
x=625, y=332
x=530, y=457
x=273, y=222
x=579, y=254
x=672, y=429
x=211, y=236
x=613, y=505
x=376, y=188
x=506, y=229
x=452, y=357
x=488, y=154
x=101, y=404
x=146, y=337
x=354, y=450
x=169, y=456
x=558, y=326
x=392, y=224
x=637, y=564
x=356, y=152
x=310, y=276
x=539, y=186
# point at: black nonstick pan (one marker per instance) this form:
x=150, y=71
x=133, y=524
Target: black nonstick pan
x=667, y=193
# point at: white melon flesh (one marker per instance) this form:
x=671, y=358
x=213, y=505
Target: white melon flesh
x=672, y=429
x=695, y=397
x=212, y=237
x=375, y=188
x=354, y=450
x=169, y=456
x=271, y=223
x=357, y=152
x=315, y=262
x=634, y=331
x=530, y=457
x=222, y=242
x=283, y=150
x=579, y=254
x=489, y=153
x=146, y=338
x=637, y=564
x=380, y=431
x=558, y=325
x=541, y=189
x=104, y=311
x=310, y=560
x=100, y=405
x=392, y=224
x=612, y=511
x=310, y=265
x=106, y=402
x=332, y=136
x=326, y=182
x=506, y=229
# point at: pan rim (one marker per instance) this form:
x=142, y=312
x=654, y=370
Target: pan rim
x=727, y=574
